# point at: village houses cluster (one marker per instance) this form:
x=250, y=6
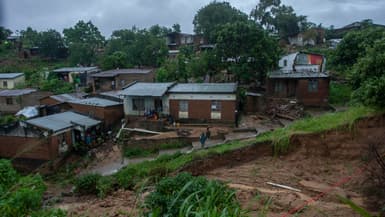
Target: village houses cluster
x=53, y=124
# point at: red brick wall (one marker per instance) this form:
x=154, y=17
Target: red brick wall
x=319, y=98
x=201, y=109
x=110, y=115
x=48, y=101
x=32, y=148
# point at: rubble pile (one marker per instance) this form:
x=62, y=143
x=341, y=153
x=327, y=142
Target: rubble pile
x=288, y=109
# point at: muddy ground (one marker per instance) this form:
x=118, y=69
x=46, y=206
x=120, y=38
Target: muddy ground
x=321, y=166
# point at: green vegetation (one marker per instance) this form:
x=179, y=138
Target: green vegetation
x=7, y=119
x=94, y=184
x=140, y=152
x=280, y=137
x=185, y=195
x=21, y=195
x=340, y=93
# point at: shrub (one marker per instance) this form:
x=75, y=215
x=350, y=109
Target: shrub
x=185, y=195
x=104, y=185
x=340, y=94
x=86, y=184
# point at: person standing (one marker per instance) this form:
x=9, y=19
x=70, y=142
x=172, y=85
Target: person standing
x=208, y=133
x=202, y=139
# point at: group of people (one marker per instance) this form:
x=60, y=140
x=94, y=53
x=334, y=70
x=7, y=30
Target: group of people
x=204, y=136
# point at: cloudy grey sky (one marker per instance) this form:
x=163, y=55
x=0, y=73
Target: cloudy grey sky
x=109, y=15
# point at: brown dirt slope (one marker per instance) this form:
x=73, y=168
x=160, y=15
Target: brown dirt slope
x=320, y=165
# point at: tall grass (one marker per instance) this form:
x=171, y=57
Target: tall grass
x=280, y=138
x=185, y=195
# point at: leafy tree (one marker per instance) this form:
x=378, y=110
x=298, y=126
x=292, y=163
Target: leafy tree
x=353, y=46
x=161, y=31
x=83, y=40
x=56, y=86
x=368, y=76
x=142, y=47
x=263, y=13
x=176, y=27
x=249, y=55
x=4, y=33
x=29, y=37
x=51, y=43
x=116, y=60
x=280, y=19
x=210, y=17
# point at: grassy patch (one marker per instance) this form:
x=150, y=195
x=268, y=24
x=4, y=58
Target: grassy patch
x=339, y=93
x=140, y=152
x=134, y=175
x=280, y=137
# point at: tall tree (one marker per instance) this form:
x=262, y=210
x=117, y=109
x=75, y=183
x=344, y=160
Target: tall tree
x=247, y=50
x=263, y=13
x=176, y=27
x=83, y=40
x=209, y=18
x=4, y=33
x=29, y=37
x=51, y=44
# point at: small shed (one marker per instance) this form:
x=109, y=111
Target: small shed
x=77, y=75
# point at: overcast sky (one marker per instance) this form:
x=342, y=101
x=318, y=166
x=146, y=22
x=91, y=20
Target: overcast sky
x=109, y=15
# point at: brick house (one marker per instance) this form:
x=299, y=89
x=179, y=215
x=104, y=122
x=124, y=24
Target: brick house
x=208, y=102
x=175, y=40
x=78, y=75
x=45, y=138
x=11, y=101
x=118, y=78
x=59, y=103
x=142, y=97
x=11, y=80
x=302, y=77
x=108, y=111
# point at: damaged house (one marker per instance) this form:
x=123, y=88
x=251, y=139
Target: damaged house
x=302, y=77
x=45, y=138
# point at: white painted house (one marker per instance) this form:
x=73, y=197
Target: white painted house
x=10, y=80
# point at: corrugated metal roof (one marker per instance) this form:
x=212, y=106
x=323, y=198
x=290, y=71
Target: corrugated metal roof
x=114, y=93
x=94, y=101
x=76, y=69
x=204, y=88
x=10, y=75
x=66, y=97
x=62, y=121
x=17, y=92
x=147, y=89
x=115, y=72
x=279, y=74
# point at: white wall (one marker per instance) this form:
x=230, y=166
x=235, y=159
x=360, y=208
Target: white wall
x=11, y=83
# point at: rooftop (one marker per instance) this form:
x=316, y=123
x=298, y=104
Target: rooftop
x=115, y=72
x=204, y=88
x=62, y=121
x=17, y=92
x=147, y=89
x=76, y=69
x=280, y=74
x=10, y=75
x=94, y=101
x=66, y=97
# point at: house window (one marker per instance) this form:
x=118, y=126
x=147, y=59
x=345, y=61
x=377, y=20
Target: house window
x=138, y=104
x=183, y=109
x=216, y=108
x=278, y=87
x=284, y=62
x=313, y=85
x=9, y=101
x=5, y=84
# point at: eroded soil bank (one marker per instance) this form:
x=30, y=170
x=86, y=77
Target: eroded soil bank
x=322, y=165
